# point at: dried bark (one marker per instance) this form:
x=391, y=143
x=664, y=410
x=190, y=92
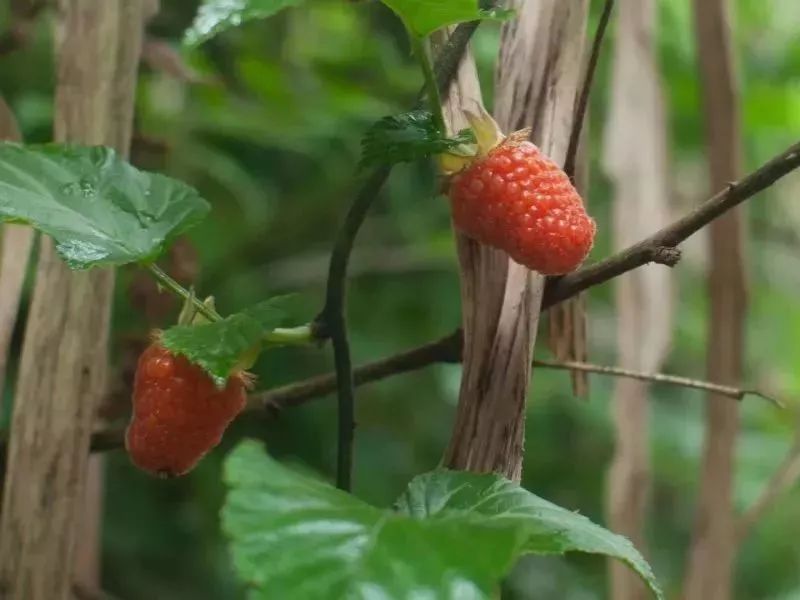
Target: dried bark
x=538, y=78
x=636, y=163
x=62, y=373
x=484, y=271
x=712, y=551
x=88, y=548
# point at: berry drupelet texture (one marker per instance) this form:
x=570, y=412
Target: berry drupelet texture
x=179, y=414
x=520, y=201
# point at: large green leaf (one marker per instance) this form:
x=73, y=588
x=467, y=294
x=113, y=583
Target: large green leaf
x=549, y=529
x=423, y=17
x=455, y=535
x=99, y=209
x=407, y=137
x=221, y=346
x=215, y=16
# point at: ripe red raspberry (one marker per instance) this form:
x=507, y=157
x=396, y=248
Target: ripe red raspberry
x=520, y=201
x=178, y=412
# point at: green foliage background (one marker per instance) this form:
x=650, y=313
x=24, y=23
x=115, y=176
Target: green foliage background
x=275, y=148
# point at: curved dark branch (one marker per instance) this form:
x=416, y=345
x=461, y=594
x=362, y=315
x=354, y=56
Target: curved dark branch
x=446, y=349
x=332, y=320
x=586, y=89
x=449, y=58
x=729, y=391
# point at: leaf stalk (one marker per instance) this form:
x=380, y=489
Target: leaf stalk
x=420, y=47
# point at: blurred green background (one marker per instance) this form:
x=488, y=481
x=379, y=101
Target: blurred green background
x=271, y=137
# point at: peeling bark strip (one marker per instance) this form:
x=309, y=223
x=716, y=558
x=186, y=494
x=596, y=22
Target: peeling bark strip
x=636, y=149
x=713, y=545
x=64, y=352
x=538, y=78
x=567, y=339
x=484, y=271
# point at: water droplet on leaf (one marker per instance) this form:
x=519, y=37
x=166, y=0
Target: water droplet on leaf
x=71, y=189
x=88, y=189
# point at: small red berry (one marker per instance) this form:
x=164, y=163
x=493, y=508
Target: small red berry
x=179, y=414
x=520, y=201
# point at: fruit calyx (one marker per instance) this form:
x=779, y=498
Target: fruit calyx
x=488, y=137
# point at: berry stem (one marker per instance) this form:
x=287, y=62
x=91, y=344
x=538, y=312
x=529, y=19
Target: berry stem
x=420, y=48
x=290, y=336
x=176, y=288
x=294, y=336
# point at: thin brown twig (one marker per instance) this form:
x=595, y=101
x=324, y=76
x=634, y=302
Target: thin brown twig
x=729, y=391
x=586, y=89
x=443, y=350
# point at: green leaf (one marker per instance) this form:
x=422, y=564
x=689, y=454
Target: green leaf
x=407, y=137
x=99, y=209
x=549, y=529
x=423, y=17
x=216, y=16
x=217, y=346
x=269, y=313
x=456, y=534
x=220, y=346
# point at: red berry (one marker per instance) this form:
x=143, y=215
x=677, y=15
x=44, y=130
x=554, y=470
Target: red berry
x=520, y=201
x=179, y=414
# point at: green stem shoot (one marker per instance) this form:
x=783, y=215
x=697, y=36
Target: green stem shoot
x=290, y=336
x=176, y=288
x=420, y=48
x=280, y=336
